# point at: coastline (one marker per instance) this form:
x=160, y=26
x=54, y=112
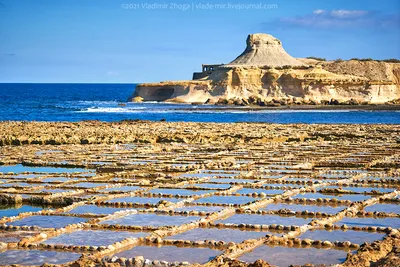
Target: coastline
x=17, y=133
x=300, y=107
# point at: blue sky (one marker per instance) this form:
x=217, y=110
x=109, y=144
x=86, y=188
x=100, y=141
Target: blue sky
x=128, y=41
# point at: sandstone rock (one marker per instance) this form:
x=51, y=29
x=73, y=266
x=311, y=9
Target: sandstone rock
x=264, y=69
x=137, y=99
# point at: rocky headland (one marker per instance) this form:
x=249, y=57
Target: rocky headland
x=266, y=75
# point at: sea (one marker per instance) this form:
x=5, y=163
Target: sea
x=108, y=102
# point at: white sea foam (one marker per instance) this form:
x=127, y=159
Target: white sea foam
x=112, y=110
x=143, y=109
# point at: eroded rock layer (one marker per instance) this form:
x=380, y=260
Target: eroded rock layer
x=265, y=71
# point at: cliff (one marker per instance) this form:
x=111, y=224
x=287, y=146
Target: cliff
x=266, y=72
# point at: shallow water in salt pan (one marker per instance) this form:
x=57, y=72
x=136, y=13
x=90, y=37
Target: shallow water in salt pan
x=95, y=209
x=285, y=256
x=357, y=237
x=182, y=192
x=264, y=219
x=395, y=208
x=227, y=235
x=312, y=208
x=211, y=186
x=171, y=253
x=341, y=196
x=88, y=185
x=226, y=199
x=93, y=238
x=58, y=179
x=55, y=190
x=21, y=168
x=120, y=189
x=231, y=180
x=200, y=208
x=259, y=190
x=36, y=257
x=15, y=236
x=144, y=200
x=364, y=189
x=379, y=222
x=48, y=221
x=148, y=219
x=11, y=210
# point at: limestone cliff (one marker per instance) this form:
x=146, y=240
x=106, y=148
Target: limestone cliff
x=265, y=71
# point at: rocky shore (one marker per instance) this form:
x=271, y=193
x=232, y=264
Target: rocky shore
x=97, y=132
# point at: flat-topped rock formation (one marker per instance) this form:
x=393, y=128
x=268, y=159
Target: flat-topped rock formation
x=266, y=74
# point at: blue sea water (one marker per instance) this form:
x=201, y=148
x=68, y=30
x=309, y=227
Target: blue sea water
x=76, y=102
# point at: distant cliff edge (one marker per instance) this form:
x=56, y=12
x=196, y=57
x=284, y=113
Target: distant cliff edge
x=265, y=74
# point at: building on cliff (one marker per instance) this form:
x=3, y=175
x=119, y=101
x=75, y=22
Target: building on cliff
x=266, y=71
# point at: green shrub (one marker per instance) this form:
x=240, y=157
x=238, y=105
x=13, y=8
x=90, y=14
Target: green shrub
x=317, y=58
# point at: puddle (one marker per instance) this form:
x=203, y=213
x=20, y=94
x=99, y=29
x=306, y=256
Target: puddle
x=285, y=256
x=313, y=208
x=260, y=190
x=93, y=237
x=379, y=222
x=95, y=209
x=52, y=221
x=264, y=219
x=199, y=208
x=36, y=257
x=357, y=237
x=20, y=168
x=151, y=219
x=227, y=235
x=144, y=200
x=226, y=199
x=172, y=253
x=10, y=210
x=384, y=208
x=182, y=192
x=341, y=196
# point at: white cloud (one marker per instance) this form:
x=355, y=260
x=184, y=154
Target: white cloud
x=318, y=11
x=339, y=18
x=342, y=13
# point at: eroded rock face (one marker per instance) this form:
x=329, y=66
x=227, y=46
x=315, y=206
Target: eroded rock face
x=264, y=70
x=264, y=50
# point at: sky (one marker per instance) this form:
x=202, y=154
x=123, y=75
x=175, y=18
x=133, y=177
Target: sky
x=131, y=41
